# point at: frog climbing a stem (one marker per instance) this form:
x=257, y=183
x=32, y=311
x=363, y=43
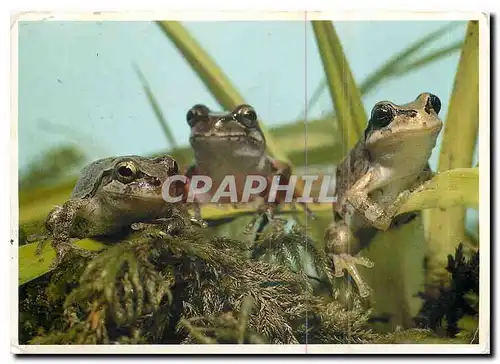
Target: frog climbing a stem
x=377, y=177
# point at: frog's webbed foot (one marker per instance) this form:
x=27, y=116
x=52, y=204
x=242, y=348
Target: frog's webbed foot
x=348, y=263
x=64, y=249
x=339, y=242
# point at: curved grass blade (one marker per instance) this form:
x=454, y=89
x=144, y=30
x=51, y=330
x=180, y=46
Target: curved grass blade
x=337, y=84
x=396, y=64
x=446, y=228
x=156, y=107
x=350, y=88
x=425, y=60
x=455, y=187
x=211, y=75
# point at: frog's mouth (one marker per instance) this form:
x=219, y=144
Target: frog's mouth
x=389, y=136
x=224, y=138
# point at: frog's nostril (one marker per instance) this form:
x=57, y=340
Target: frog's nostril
x=155, y=181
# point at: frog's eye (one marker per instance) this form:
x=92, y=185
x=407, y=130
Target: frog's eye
x=247, y=116
x=382, y=115
x=126, y=171
x=195, y=112
x=435, y=103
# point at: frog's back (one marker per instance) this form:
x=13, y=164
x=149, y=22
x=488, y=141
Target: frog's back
x=89, y=175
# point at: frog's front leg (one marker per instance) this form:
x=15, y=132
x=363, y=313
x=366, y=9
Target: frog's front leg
x=60, y=222
x=175, y=224
x=196, y=219
x=358, y=197
x=339, y=244
x=170, y=225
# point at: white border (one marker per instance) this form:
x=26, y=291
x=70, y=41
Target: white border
x=250, y=15
x=484, y=213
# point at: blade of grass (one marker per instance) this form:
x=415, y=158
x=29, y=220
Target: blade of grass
x=156, y=107
x=211, y=75
x=446, y=228
x=350, y=88
x=395, y=65
x=336, y=84
x=425, y=60
x=386, y=69
x=32, y=266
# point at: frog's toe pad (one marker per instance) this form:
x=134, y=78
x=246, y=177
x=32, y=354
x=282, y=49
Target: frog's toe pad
x=348, y=263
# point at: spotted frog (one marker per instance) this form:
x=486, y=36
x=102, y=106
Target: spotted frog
x=115, y=193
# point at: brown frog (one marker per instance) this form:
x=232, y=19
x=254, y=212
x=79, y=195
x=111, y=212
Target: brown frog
x=377, y=177
x=232, y=143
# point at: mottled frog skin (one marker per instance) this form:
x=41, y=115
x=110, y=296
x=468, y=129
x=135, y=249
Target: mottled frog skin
x=114, y=193
x=377, y=177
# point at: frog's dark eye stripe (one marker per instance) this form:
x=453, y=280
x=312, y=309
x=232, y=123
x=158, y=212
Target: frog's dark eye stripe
x=196, y=111
x=433, y=102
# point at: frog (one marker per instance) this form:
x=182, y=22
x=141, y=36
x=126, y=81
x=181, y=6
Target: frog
x=233, y=143
x=113, y=194
x=376, y=178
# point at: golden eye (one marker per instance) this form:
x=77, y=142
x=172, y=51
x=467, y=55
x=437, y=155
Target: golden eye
x=126, y=171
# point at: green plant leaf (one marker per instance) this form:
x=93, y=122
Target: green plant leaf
x=446, y=228
x=455, y=187
x=350, y=88
x=343, y=91
x=32, y=266
x=211, y=75
x=156, y=107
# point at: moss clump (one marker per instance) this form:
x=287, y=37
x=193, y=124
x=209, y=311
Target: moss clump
x=153, y=288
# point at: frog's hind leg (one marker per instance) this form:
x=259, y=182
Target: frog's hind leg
x=339, y=242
